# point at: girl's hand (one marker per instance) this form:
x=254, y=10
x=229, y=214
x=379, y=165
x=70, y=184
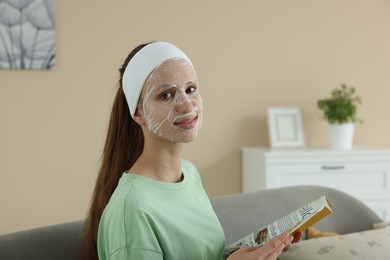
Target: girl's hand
x=269, y=251
x=297, y=238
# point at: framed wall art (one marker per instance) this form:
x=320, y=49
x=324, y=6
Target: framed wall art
x=27, y=34
x=285, y=127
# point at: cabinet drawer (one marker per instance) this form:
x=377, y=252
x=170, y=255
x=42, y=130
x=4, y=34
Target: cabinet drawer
x=363, y=180
x=362, y=173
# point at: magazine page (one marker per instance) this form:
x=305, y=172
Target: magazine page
x=299, y=219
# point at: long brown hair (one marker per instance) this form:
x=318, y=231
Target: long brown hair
x=124, y=144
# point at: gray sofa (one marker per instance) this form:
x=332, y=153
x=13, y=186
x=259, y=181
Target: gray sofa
x=239, y=214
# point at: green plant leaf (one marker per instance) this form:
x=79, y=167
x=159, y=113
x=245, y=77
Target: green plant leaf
x=341, y=107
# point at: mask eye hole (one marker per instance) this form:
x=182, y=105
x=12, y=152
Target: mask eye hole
x=191, y=89
x=166, y=95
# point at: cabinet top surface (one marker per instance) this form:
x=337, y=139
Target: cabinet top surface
x=315, y=151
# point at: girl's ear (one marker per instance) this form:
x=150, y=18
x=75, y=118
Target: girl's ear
x=138, y=117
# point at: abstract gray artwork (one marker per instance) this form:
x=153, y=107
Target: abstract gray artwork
x=27, y=34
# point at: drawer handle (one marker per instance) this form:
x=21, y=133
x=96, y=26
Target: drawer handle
x=337, y=167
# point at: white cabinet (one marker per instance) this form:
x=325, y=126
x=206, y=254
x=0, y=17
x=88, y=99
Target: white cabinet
x=363, y=173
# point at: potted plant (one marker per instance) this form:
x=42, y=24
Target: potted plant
x=340, y=112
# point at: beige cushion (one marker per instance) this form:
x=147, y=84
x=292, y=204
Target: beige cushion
x=372, y=244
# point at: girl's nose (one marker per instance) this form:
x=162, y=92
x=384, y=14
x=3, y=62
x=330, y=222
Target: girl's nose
x=184, y=104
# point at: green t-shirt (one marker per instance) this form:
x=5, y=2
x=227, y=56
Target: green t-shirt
x=148, y=219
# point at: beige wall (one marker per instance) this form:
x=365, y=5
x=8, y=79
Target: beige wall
x=249, y=55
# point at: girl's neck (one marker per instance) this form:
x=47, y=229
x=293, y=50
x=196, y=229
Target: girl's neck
x=161, y=161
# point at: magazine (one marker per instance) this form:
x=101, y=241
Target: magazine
x=299, y=219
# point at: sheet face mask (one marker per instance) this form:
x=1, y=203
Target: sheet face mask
x=142, y=64
x=171, y=103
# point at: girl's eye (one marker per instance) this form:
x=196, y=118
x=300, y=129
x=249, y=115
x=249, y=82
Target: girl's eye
x=191, y=89
x=166, y=95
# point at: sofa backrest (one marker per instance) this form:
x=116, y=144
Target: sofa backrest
x=59, y=242
x=242, y=214
x=239, y=214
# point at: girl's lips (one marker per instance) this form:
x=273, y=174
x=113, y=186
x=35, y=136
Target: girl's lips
x=187, y=124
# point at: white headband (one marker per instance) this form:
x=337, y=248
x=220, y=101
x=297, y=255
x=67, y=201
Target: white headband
x=142, y=64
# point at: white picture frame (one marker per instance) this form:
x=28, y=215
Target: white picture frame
x=285, y=127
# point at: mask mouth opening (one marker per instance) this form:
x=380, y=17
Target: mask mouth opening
x=186, y=120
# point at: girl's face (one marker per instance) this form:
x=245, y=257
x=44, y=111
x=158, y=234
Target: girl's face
x=171, y=103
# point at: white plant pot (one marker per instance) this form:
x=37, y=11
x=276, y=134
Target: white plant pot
x=340, y=136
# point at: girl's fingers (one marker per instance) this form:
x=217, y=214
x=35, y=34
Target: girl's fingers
x=276, y=245
x=285, y=244
x=269, y=251
x=297, y=237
